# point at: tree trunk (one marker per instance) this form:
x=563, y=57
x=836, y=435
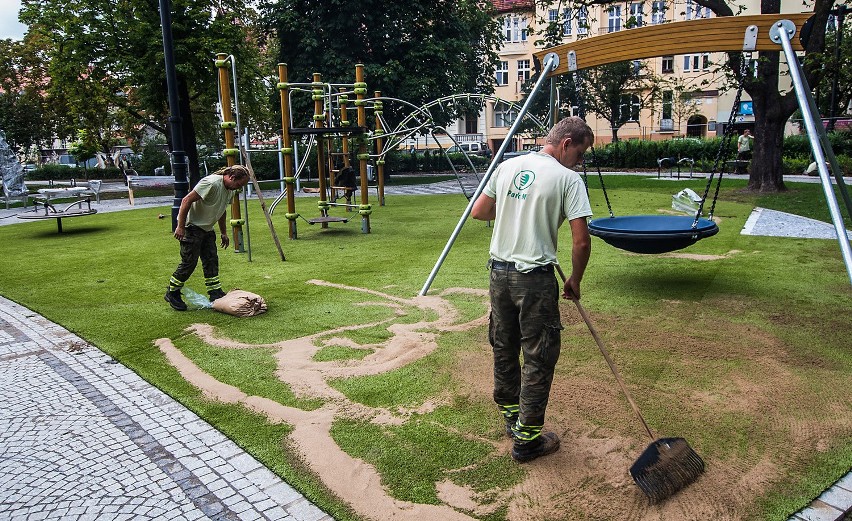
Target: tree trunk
x=766, y=173
x=190, y=144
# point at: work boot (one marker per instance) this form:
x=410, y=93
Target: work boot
x=174, y=299
x=215, y=293
x=510, y=423
x=547, y=443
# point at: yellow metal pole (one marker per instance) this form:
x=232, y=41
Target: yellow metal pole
x=230, y=152
x=287, y=149
x=318, y=95
x=360, y=90
x=380, y=163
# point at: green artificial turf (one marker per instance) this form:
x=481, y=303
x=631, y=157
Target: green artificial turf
x=105, y=276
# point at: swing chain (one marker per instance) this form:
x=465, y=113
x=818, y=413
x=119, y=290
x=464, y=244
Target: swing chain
x=724, y=144
x=581, y=109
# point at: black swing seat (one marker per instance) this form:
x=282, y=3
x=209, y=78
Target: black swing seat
x=652, y=233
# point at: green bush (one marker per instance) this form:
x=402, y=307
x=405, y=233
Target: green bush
x=64, y=173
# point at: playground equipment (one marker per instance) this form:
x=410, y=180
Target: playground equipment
x=232, y=128
x=725, y=34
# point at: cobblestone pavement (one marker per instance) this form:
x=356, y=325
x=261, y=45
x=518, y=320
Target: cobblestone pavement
x=83, y=437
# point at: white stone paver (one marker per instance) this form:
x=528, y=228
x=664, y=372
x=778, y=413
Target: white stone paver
x=83, y=437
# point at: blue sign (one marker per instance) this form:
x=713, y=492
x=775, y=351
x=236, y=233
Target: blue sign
x=746, y=108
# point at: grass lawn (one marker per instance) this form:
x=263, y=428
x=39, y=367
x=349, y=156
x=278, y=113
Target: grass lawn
x=746, y=352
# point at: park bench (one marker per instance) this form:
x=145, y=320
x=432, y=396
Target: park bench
x=135, y=181
x=737, y=166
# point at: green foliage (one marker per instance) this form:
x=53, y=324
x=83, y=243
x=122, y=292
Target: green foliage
x=64, y=173
x=84, y=148
x=25, y=115
x=105, y=65
x=434, y=48
x=153, y=156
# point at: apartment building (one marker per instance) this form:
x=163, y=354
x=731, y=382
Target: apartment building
x=700, y=113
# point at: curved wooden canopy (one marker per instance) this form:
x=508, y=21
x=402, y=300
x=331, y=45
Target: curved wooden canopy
x=722, y=34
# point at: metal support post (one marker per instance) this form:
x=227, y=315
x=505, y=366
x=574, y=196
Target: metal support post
x=781, y=33
x=551, y=61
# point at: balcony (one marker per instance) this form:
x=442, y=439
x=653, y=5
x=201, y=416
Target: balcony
x=470, y=138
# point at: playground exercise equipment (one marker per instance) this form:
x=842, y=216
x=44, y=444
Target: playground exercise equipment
x=725, y=34
x=74, y=209
x=323, y=133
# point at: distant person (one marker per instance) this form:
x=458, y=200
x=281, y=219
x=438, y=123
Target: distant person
x=203, y=207
x=744, y=144
x=347, y=180
x=529, y=197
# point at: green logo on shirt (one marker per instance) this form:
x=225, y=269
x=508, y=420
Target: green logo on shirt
x=524, y=179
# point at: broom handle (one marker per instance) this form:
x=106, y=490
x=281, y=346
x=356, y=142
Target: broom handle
x=606, y=356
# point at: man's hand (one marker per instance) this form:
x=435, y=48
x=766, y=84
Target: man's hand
x=180, y=231
x=572, y=289
x=225, y=239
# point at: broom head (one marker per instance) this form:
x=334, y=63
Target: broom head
x=666, y=466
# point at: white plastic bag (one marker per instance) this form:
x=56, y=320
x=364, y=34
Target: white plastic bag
x=686, y=201
x=195, y=301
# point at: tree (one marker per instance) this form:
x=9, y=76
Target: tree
x=25, y=113
x=416, y=51
x=684, y=100
x=84, y=148
x=617, y=92
x=772, y=108
x=837, y=65
x=106, y=65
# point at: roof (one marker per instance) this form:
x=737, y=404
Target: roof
x=503, y=6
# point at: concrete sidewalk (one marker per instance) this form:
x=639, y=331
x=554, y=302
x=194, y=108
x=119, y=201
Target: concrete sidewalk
x=83, y=437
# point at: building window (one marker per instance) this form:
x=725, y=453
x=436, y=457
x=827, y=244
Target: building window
x=515, y=28
x=629, y=107
x=668, y=64
x=583, y=20
x=658, y=12
x=471, y=123
x=523, y=70
x=567, y=16
x=614, y=19
x=635, y=19
x=695, y=12
x=504, y=115
x=502, y=75
x=668, y=98
x=696, y=62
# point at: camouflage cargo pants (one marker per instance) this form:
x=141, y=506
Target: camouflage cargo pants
x=197, y=243
x=524, y=321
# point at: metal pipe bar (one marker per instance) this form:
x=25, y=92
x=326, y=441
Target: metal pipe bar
x=780, y=32
x=550, y=64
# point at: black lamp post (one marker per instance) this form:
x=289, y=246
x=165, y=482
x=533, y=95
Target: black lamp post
x=178, y=156
x=838, y=14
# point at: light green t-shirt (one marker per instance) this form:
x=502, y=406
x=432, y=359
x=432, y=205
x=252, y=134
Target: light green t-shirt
x=534, y=195
x=215, y=198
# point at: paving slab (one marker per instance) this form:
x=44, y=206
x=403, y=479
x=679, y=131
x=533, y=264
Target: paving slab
x=83, y=437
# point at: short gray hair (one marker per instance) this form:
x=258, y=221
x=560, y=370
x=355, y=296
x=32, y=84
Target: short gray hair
x=572, y=127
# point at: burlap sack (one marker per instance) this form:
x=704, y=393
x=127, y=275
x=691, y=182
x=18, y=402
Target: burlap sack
x=240, y=304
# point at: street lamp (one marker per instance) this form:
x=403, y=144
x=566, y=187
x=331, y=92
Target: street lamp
x=178, y=156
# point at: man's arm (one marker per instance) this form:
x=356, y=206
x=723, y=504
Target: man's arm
x=183, y=211
x=223, y=232
x=484, y=209
x=581, y=249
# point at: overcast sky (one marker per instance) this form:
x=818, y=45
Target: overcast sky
x=9, y=25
